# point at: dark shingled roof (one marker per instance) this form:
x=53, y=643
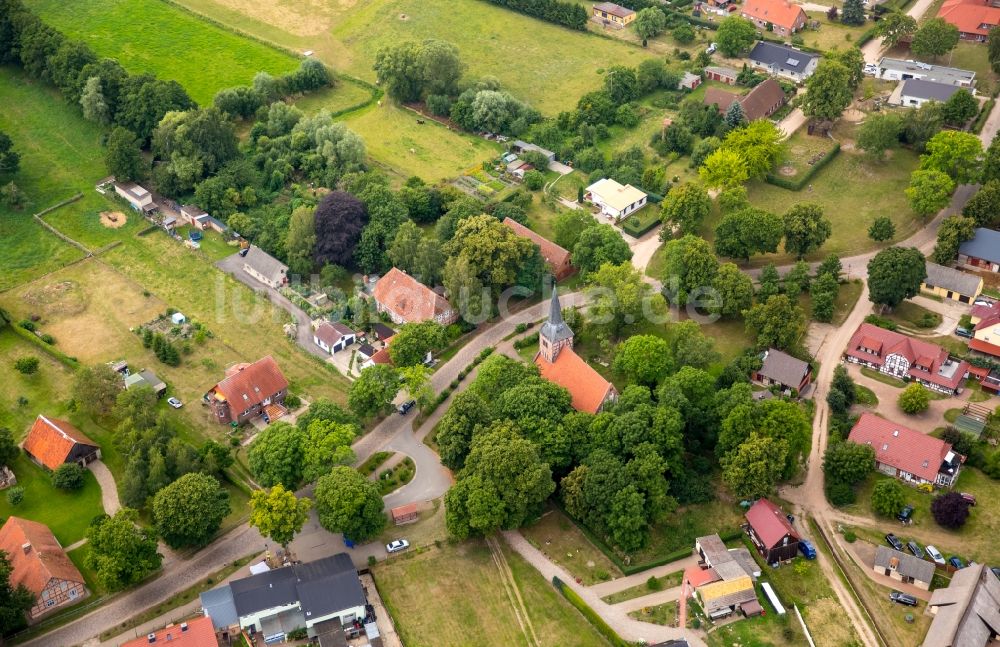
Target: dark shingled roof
x=985, y=245
x=783, y=368
x=928, y=89
x=781, y=55
x=951, y=279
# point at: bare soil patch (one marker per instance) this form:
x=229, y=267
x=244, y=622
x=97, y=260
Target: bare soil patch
x=788, y=171
x=300, y=18
x=59, y=299
x=113, y=219
x=853, y=115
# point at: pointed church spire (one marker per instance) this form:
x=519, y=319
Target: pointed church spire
x=555, y=311
x=554, y=334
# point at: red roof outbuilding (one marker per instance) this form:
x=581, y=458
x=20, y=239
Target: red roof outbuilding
x=769, y=523
x=196, y=632
x=555, y=256
x=51, y=441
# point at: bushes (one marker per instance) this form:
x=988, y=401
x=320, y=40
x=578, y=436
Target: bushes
x=26, y=365
x=881, y=322
x=567, y=14
x=68, y=476
x=796, y=183
x=636, y=225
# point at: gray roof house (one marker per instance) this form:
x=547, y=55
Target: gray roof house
x=784, y=61
x=917, y=92
x=301, y=595
x=982, y=251
x=146, y=377
x=953, y=281
x=967, y=612
x=783, y=370
x=265, y=268
x=904, y=567
x=895, y=69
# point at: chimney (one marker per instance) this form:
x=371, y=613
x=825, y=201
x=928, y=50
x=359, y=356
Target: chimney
x=151, y=638
x=26, y=547
x=184, y=627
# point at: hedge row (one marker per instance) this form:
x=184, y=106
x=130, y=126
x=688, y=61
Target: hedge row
x=865, y=37
x=796, y=183
x=636, y=227
x=597, y=621
x=31, y=337
x=984, y=114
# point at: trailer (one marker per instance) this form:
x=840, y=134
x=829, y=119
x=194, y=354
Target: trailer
x=773, y=598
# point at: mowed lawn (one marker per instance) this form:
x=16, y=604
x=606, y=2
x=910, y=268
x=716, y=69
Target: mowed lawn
x=402, y=147
x=548, y=66
x=60, y=156
x=853, y=191
x=153, y=36
x=455, y=596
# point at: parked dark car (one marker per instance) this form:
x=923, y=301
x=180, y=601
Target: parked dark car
x=906, y=514
x=963, y=332
x=404, y=408
x=996, y=570
x=893, y=541
x=957, y=562
x=914, y=548
x=903, y=598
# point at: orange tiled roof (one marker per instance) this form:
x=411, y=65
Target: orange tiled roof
x=45, y=559
x=777, y=12
x=408, y=298
x=700, y=577
x=970, y=16
x=553, y=254
x=199, y=633
x=247, y=385
x=51, y=440
x=984, y=347
x=904, y=448
x=587, y=387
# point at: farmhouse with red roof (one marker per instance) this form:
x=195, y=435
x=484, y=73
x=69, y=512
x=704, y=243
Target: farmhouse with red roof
x=785, y=17
x=555, y=257
x=558, y=363
x=906, y=454
x=407, y=300
x=904, y=357
x=248, y=391
x=41, y=565
x=196, y=632
x=771, y=532
x=52, y=442
x=974, y=18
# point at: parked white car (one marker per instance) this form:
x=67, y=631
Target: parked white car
x=871, y=69
x=935, y=555
x=711, y=48
x=397, y=546
x=175, y=403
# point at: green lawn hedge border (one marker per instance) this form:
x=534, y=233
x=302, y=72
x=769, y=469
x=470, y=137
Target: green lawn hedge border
x=31, y=337
x=588, y=613
x=796, y=183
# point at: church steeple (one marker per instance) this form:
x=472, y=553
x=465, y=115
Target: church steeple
x=554, y=334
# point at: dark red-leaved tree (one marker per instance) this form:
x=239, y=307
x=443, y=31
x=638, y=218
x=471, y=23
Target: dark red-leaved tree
x=950, y=510
x=339, y=220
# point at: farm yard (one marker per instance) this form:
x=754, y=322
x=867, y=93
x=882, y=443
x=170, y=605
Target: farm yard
x=177, y=45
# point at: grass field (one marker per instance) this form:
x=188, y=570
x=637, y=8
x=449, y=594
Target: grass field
x=548, y=66
x=687, y=524
x=403, y=147
x=668, y=581
x=59, y=154
x=851, y=211
x=341, y=97
x=170, y=43
x=832, y=35
x=470, y=605
x=67, y=514
x=563, y=543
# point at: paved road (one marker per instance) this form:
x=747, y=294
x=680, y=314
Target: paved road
x=991, y=126
x=237, y=543
x=233, y=265
x=872, y=50
x=109, y=491
x=603, y=589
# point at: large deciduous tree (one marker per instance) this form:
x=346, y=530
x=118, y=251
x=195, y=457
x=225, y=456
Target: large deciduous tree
x=278, y=514
x=122, y=552
x=882, y=229
x=778, y=323
x=956, y=153
x=14, y=600
x=503, y=485
x=806, y=229
x=649, y=22
x=598, y=245
x=276, y=456
x=984, y=207
x=347, y=502
x=888, y=497
x=339, y=220
x=735, y=290
x=895, y=274
x=950, y=510
x=685, y=207
x=96, y=388
x=879, y=133
x=372, y=393
x=189, y=511
x=959, y=108
x=735, y=35
x=621, y=297
x=644, y=359
x=414, y=340
x=951, y=234
x=847, y=462
x=753, y=468
x=895, y=26
x=936, y=37
x=123, y=156
x=929, y=191
x=750, y=231
x=828, y=91
x=914, y=399
x=689, y=265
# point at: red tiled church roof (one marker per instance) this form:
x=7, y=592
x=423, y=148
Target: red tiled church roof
x=51, y=440
x=586, y=386
x=35, y=555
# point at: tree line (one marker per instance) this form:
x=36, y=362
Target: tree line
x=567, y=14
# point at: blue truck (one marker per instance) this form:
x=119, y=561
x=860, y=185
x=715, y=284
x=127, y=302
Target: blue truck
x=807, y=549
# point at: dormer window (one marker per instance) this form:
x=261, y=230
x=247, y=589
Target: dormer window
x=924, y=464
x=885, y=446
x=895, y=433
